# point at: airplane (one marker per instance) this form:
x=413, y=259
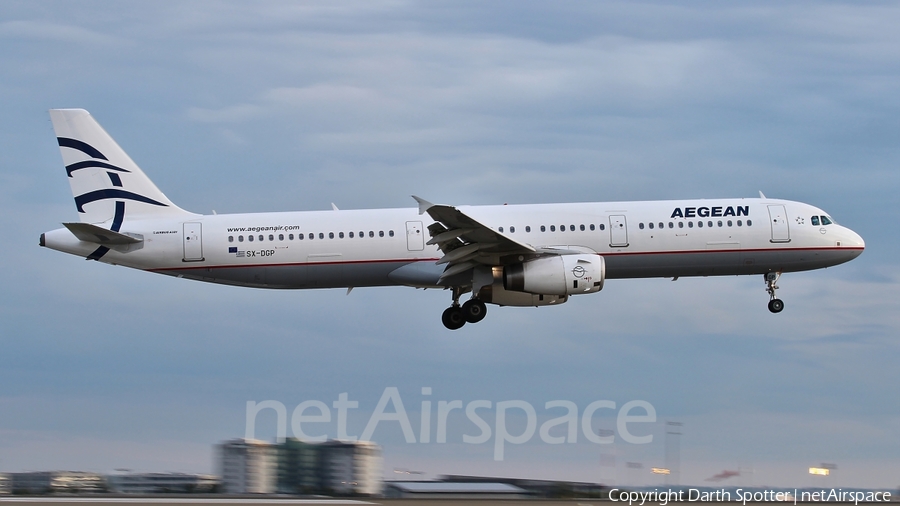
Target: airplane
x=506, y=255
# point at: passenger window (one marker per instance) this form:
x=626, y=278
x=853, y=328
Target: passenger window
x=361, y=234
x=391, y=233
x=240, y=238
x=512, y=230
x=602, y=226
x=500, y=229
x=527, y=228
x=650, y=225
x=553, y=228
x=641, y=226
x=271, y=237
x=381, y=233
x=581, y=227
x=331, y=235
x=311, y=236
x=571, y=228
x=660, y=224
x=350, y=235
x=562, y=228
x=291, y=237
x=739, y=223
x=700, y=224
x=321, y=235
x=690, y=224
x=671, y=225
x=709, y=224
x=340, y=235
x=729, y=223
x=592, y=227
x=371, y=234
x=720, y=223
x=230, y=238
x=680, y=224
x=250, y=238
x=815, y=221
x=543, y=228
x=825, y=220
x=280, y=237
x=300, y=236
x=749, y=223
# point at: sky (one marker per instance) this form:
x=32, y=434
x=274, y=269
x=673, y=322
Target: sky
x=273, y=106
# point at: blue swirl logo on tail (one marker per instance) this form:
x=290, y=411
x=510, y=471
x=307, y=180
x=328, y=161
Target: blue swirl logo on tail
x=116, y=192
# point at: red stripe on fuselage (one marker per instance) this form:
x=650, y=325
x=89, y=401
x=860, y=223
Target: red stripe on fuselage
x=410, y=260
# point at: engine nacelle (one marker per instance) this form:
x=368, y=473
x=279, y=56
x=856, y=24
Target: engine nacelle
x=496, y=294
x=557, y=275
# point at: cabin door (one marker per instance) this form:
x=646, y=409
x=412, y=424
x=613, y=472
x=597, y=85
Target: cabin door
x=778, y=221
x=193, y=242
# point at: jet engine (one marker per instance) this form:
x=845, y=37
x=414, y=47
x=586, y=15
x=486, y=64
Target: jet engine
x=556, y=275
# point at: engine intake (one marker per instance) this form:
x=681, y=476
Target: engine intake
x=557, y=275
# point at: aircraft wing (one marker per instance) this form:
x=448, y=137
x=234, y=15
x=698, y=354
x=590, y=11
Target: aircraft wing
x=464, y=241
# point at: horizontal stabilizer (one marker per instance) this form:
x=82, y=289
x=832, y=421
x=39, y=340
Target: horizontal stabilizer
x=99, y=235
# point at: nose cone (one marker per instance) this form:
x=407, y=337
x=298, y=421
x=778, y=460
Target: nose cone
x=856, y=240
x=853, y=242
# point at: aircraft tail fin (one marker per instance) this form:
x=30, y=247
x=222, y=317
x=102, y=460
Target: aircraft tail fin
x=106, y=183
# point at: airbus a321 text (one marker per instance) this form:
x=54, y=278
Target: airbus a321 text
x=508, y=255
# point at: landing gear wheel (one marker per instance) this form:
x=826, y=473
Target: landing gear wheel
x=776, y=305
x=453, y=318
x=474, y=310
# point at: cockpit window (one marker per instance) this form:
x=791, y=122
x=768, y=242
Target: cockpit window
x=815, y=221
x=825, y=220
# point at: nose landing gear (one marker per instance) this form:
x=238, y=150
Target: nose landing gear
x=775, y=304
x=455, y=316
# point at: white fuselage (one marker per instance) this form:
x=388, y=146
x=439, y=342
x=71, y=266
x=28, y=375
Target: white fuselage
x=381, y=247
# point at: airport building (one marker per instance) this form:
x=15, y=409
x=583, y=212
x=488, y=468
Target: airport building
x=352, y=467
x=299, y=468
x=163, y=483
x=345, y=468
x=248, y=466
x=57, y=482
x=4, y=484
x=454, y=490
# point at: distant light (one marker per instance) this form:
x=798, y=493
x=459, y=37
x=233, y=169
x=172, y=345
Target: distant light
x=820, y=471
x=660, y=470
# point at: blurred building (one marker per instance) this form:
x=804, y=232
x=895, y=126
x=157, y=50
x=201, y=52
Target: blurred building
x=296, y=467
x=352, y=467
x=4, y=484
x=248, y=466
x=538, y=488
x=453, y=490
x=299, y=468
x=57, y=482
x=163, y=483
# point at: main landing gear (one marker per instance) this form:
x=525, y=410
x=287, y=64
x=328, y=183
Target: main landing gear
x=472, y=311
x=775, y=304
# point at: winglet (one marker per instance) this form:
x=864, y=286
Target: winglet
x=334, y=207
x=761, y=194
x=424, y=205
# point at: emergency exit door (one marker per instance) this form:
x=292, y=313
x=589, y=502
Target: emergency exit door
x=415, y=238
x=618, y=231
